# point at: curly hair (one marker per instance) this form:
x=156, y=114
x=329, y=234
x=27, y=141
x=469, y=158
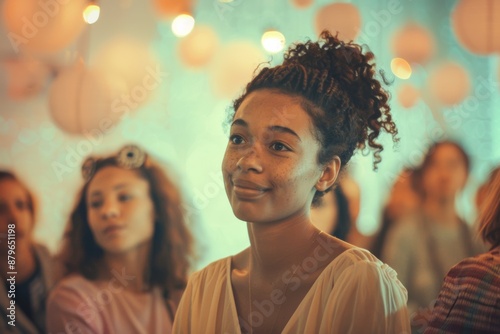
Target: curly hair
x=171, y=249
x=339, y=90
x=489, y=213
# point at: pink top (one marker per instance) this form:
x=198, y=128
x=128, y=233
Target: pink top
x=78, y=305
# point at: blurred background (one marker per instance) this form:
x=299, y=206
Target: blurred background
x=163, y=73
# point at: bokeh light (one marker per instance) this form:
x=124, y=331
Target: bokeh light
x=401, y=68
x=91, y=13
x=182, y=25
x=273, y=41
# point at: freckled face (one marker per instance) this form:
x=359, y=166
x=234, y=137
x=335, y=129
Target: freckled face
x=270, y=166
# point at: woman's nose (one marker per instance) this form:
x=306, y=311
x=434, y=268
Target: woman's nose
x=110, y=209
x=250, y=161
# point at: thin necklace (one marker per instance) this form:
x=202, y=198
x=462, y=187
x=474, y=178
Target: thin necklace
x=279, y=307
x=284, y=293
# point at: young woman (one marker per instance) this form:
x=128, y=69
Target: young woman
x=30, y=261
x=294, y=128
x=126, y=251
x=424, y=246
x=470, y=295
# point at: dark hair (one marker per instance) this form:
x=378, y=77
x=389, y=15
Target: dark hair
x=338, y=89
x=388, y=220
x=432, y=150
x=6, y=175
x=171, y=244
x=489, y=216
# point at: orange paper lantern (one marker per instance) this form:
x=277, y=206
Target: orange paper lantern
x=449, y=84
x=476, y=24
x=414, y=43
x=43, y=26
x=197, y=49
x=301, y=3
x=408, y=95
x=343, y=18
x=172, y=8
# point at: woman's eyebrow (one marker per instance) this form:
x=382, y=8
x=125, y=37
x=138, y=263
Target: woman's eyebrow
x=283, y=129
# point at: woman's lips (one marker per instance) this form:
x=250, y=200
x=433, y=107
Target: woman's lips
x=245, y=189
x=112, y=229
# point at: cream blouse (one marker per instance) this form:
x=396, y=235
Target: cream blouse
x=355, y=293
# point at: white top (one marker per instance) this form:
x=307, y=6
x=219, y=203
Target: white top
x=78, y=305
x=355, y=293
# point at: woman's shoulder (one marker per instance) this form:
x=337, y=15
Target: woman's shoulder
x=213, y=271
x=74, y=283
x=478, y=266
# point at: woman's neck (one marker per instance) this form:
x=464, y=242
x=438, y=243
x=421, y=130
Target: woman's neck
x=277, y=247
x=128, y=268
x=441, y=211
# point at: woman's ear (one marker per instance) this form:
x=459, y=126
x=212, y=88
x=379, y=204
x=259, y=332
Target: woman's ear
x=329, y=174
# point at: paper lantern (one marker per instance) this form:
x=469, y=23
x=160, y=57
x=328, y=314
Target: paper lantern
x=25, y=77
x=43, y=26
x=301, y=3
x=449, y=84
x=83, y=100
x=197, y=49
x=134, y=69
x=476, y=24
x=234, y=66
x=408, y=95
x=343, y=18
x=414, y=43
x=172, y=8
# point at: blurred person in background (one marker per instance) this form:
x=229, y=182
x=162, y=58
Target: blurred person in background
x=126, y=250
x=331, y=215
x=403, y=201
x=469, y=301
x=423, y=247
x=33, y=264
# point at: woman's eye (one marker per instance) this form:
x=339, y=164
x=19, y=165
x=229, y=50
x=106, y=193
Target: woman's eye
x=21, y=205
x=236, y=139
x=124, y=197
x=279, y=147
x=95, y=204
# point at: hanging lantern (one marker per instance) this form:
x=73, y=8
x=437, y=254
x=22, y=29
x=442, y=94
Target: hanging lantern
x=197, y=49
x=476, y=24
x=449, y=84
x=414, y=43
x=408, y=95
x=43, y=26
x=343, y=18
